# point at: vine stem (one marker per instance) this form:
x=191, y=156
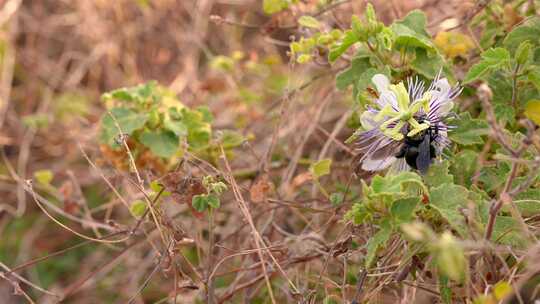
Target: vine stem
x=514, y=86
x=210, y=279
x=497, y=205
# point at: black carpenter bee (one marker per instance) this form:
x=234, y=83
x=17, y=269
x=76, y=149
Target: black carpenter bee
x=418, y=150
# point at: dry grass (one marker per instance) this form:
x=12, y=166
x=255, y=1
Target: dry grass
x=275, y=239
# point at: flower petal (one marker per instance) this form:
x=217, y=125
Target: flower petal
x=445, y=108
x=381, y=82
x=388, y=98
x=367, y=119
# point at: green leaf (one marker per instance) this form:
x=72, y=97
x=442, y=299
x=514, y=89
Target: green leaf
x=358, y=214
x=200, y=202
x=469, y=130
x=477, y=71
x=353, y=73
x=137, y=208
x=427, y=65
x=445, y=290
x=507, y=231
x=450, y=257
x=199, y=129
x=376, y=241
x=438, y=175
x=207, y=116
x=336, y=198
x=523, y=52
x=156, y=188
x=532, y=111
x=161, y=143
x=534, y=77
x=44, y=177
x=464, y=165
x=320, y=168
x=128, y=120
x=231, y=139
x=274, y=6
x=141, y=93
x=501, y=86
x=491, y=59
x=492, y=177
x=304, y=58
x=308, y=21
x=218, y=187
x=396, y=184
x=496, y=56
x=349, y=38
x=175, y=126
x=504, y=113
x=491, y=30
x=213, y=201
x=402, y=210
x=501, y=290
x=527, y=31
x=529, y=207
x=358, y=28
x=529, y=194
x=408, y=38
x=416, y=20
x=447, y=199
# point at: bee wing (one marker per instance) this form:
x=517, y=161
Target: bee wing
x=376, y=151
x=375, y=145
x=377, y=164
x=398, y=166
x=424, y=156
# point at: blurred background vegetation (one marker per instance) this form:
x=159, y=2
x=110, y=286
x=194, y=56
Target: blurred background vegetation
x=57, y=59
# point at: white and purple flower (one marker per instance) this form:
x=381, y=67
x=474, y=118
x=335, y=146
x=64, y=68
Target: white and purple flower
x=405, y=128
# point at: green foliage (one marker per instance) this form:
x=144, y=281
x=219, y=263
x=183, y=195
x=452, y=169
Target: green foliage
x=528, y=31
x=308, y=21
x=438, y=174
x=137, y=208
x=161, y=143
x=389, y=202
x=469, y=131
x=410, y=32
x=451, y=201
x=44, y=177
x=432, y=223
x=447, y=199
x=202, y=202
x=320, y=168
x=450, y=257
x=151, y=118
x=336, y=198
x=491, y=59
x=376, y=47
x=275, y=6
x=463, y=166
x=376, y=242
x=36, y=121
x=210, y=199
x=402, y=210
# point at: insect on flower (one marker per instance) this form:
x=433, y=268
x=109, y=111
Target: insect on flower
x=405, y=128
